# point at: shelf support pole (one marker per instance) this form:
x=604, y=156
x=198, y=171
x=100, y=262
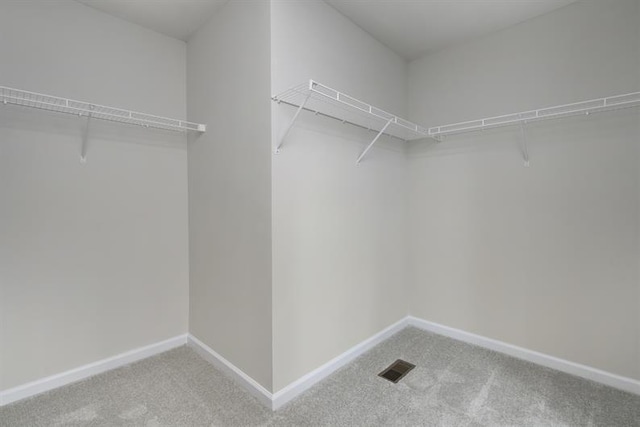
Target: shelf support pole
x=525, y=151
x=293, y=120
x=364, y=152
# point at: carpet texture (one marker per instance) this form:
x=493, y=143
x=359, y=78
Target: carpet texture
x=453, y=384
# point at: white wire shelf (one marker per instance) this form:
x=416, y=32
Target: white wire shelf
x=328, y=102
x=325, y=101
x=610, y=103
x=87, y=109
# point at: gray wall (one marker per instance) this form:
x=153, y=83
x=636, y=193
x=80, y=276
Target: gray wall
x=339, y=244
x=230, y=187
x=546, y=257
x=93, y=257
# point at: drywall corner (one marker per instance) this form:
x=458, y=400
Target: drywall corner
x=339, y=239
x=228, y=87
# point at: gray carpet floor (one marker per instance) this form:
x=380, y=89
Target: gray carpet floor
x=454, y=384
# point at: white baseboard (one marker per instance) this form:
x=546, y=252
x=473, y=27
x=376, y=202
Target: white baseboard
x=302, y=384
x=276, y=400
x=597, y=375
x=252, y=386
x=293, y=390
x=82, y=372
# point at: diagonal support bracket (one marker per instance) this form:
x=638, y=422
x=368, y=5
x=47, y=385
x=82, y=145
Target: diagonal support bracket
x=525, y=150
x=293, y=120
x=364, y=152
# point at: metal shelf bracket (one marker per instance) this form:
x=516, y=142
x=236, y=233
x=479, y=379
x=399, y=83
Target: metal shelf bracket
x=85, y=138
x=368, y=147
x=293, y=120
x=525, y=150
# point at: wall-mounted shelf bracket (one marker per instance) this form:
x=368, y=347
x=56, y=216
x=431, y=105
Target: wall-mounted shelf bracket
x=85, y=139
x=525, y=150
x=368, y=147
x=293, y=120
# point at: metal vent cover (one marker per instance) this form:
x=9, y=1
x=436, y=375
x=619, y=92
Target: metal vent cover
x=397, y=370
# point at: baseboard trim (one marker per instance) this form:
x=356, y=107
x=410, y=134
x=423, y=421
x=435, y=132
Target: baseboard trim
x=252, y=386
x=584, y=371
x=275, y=401
x=58, y=380
x=305, y=382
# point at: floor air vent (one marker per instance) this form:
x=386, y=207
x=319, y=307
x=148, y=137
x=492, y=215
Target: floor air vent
x=396, y=371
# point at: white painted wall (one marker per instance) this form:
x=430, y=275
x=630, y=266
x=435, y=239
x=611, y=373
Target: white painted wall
x=93, y=257
x=230, y=187
x=546, y=257
x=339, y=248
x=294, y=262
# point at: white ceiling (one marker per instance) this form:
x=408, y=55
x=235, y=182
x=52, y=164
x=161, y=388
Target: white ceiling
x=413, y=28
x=174, y=18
